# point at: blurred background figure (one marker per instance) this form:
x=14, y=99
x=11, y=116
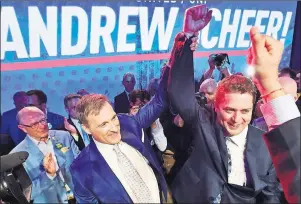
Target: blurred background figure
x=207, y=88
x=153, y=86
x=11, y=135
x=38, y=99
x=121, y=101
x=83, y=92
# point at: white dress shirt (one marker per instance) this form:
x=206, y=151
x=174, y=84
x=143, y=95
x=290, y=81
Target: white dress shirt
x=236, y=146
x=158, y=136
x=46, y=148
x=139, y=162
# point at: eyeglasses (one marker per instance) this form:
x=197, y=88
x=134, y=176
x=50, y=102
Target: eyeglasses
x=36, y=124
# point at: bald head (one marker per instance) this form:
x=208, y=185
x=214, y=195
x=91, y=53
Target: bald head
x=26, y=113
x=208, y=87
x=289, y=86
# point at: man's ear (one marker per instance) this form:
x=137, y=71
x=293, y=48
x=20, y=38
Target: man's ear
x=86, y=129
x=22, y=128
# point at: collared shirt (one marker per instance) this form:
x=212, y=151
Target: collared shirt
x=127, y=95
x=236, y=146
x=140, y=163
x=80, y=130
x=158, y=136
x=46, y=148
x=279, y=111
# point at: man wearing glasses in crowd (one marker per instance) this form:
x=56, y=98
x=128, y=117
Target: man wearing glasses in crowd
x=51, y=152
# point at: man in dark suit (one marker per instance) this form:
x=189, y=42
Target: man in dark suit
x=229, y=162
x=121, y=101
x=81, y=138
x=280, y=113
x=38, y=99
x=116, y=167
x=11, y=135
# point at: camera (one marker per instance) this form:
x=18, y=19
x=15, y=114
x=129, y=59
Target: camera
x=220, y=59
x=15, y=183
x=201, y=98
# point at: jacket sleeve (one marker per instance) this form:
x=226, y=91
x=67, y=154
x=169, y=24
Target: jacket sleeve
x=283, y=143
x=81, y=193
x=152, y=110
x=181, y=87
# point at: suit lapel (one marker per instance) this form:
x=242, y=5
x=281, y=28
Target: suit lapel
x=222, y=147
x=253, y=141
x=32, y=149
x=60, y=157
x=101, y=168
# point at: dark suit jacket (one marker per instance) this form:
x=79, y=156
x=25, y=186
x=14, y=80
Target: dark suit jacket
x=284, y=146
x=80, y=143
x=204, y=176
x=93, y=179
x=121, y=103
x=56, y=121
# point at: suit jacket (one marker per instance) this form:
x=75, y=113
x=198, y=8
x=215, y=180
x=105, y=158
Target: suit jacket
x=204, y=176
x=45, y=190
x=283, y=143
x=80, y=143
x=9, y=126
x=96, y=182
x=56, y=121
x=121, y=103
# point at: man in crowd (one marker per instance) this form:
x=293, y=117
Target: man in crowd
x=51, y=153
x=81, y=138
x=11, y=135
x=229, y=163
x=38, y=99
x=208, y=88
x=121, y=101
x=118, y=166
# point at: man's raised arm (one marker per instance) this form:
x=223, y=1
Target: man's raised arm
x=280, y=112
x=181, y=88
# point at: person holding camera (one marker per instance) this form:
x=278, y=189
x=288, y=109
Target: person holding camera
x=217, y=68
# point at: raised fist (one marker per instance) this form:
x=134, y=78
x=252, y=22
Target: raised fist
x=196, y=18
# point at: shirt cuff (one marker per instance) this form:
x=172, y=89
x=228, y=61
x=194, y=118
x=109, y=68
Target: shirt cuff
x=158, y=127
x=279, y=111
x=51, y=177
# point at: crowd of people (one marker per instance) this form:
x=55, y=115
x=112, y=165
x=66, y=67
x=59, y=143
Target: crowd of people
x=228, y=138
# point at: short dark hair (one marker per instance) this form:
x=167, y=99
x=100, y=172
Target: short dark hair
x=90, y=104
x=289, y=71
x=235, y=84
x=18, y=94
x=69, y=97
x=40, y=95
x=139, y=93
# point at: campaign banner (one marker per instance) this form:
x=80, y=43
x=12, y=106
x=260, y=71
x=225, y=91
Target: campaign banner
x=63, y=46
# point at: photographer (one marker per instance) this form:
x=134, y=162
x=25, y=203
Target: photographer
x=217, y=61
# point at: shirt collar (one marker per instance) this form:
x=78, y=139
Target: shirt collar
x=75, y=121
x=105, y=147
x=240, y=139
x=37, y=142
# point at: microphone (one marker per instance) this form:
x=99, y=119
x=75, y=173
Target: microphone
x=12, y=160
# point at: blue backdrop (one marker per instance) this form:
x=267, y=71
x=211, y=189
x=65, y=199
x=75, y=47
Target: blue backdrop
x=109, y=39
